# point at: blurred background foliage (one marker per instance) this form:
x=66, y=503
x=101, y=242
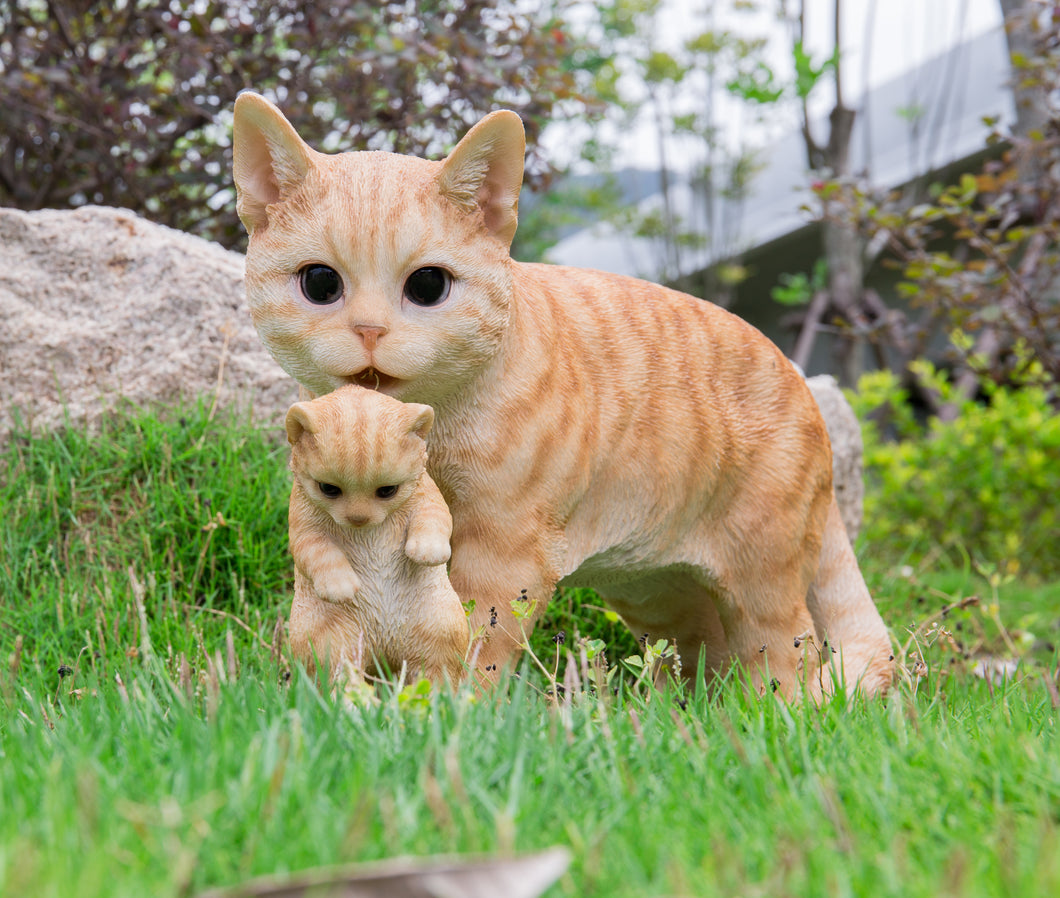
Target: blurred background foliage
x=129, y=103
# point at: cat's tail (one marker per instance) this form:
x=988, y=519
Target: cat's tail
x=852, y=632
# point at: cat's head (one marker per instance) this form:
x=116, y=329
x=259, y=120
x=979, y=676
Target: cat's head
x=378, y=269
x=358, y=454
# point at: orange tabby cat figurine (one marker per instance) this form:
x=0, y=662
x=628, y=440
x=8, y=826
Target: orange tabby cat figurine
x=590, y=429
x=370, y=538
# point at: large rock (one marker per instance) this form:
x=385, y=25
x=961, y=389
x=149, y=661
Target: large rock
x=97, y=303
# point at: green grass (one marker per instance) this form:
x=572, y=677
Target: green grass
x=194, y=510
x=180, y=750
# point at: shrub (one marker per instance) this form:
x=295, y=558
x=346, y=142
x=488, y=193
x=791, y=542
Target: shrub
x=985, y=484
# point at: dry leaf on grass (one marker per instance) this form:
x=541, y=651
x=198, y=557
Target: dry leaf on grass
x=447, y=877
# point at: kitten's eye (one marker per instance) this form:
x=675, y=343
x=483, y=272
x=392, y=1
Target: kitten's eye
x=428, y=286
x=387, y=492
x=330, y=490
x=320, y=285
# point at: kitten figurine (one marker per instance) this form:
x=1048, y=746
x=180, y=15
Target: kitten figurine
x=591, y=429
x=369, y=533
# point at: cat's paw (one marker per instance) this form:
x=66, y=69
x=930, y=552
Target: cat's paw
x=337, y=586
x=428, y=549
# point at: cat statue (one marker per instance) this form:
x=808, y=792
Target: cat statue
x=591, y=429
x=369, y=534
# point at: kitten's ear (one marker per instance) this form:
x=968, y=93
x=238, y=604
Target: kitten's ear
x=420, y=418
x=485, y=171
x=299, y=420
x=270, y=160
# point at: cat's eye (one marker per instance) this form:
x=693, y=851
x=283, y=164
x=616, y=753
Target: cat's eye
x=428, y=286
x=330, y=490
x=320, y=284
x=387, y=492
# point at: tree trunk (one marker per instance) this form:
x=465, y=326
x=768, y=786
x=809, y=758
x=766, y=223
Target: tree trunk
x=1032, y=111
x=841, y=243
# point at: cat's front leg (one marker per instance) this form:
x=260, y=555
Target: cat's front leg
x=510, y=584
x=317, y=557
x=331, y=577
x=430, y=526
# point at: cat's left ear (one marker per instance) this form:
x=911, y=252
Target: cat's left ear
x=485, y=171
x=420, y=418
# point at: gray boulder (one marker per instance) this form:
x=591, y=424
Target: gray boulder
x=98, y=303
x=844, y=431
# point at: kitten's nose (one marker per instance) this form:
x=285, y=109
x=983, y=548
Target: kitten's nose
x=370, y=334
x=356, y=520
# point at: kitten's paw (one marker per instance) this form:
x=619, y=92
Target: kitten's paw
x=427, y=549
x=337, y=587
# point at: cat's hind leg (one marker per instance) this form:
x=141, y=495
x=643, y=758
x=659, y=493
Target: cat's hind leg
x=324, y=636
x=846, y=618
x=771, y=633
x=767, y=629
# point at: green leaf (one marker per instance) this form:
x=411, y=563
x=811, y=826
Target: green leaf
x=806, y=73
x=661, y=67
x=758, y=85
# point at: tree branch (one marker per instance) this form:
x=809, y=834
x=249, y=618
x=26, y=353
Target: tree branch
x=810, y=325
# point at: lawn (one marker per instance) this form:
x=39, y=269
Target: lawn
x=155, y=739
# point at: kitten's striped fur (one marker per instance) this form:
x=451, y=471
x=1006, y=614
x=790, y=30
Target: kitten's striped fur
x=591, y=429
x=369, y=534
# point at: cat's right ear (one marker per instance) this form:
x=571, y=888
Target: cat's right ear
x=299, y=420
x=270, y=160
x=420, y=419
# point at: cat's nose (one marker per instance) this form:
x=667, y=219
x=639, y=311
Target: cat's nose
x=355, y=520
x=370, y=333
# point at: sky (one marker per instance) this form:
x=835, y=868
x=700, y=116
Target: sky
x=880, y=40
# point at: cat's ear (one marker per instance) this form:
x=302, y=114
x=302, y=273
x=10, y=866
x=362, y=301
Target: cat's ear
x=485, y=171
x=299, y=420
x=270, y=160
x=420, y=419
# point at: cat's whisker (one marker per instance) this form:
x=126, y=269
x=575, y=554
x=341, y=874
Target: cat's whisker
x=373, y=379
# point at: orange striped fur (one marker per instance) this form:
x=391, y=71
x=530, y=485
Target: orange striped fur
x=590, y=429
x=370, y=583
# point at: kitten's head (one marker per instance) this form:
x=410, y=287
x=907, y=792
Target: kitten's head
x=358, y=454
x=377, y=269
